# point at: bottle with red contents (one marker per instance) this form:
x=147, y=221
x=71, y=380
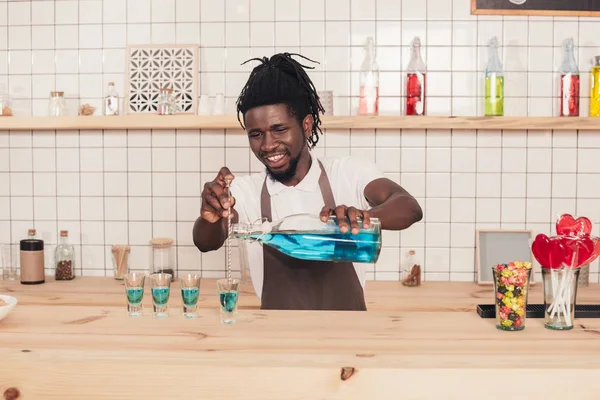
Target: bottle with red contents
x=369, y=81
x=416, y=81
x=569, y=83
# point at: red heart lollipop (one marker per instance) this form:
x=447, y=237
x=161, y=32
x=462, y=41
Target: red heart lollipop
x=578, y=250
x=596, y=252
x=569, y=226
x=549, y=253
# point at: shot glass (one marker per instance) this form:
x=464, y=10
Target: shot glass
x=134, y=289
x=190, y=290
x=9, y=269
x=228, y=298
x=161, y=288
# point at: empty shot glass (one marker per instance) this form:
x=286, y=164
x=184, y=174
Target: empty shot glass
x=161, y=288
x=134, y=289
x=190, y=290
x=228, y=298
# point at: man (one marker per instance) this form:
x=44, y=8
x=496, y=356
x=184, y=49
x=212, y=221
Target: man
x=280, y=109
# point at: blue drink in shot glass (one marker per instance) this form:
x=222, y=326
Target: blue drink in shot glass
x=134, y=289
x=228, y=298
x=161, y=289
x=190, y=291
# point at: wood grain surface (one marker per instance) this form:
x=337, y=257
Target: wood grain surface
x=74, y=340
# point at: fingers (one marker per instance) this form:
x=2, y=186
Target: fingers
x=353, y=215
x=340, y=213
x=325, y=213
x=366, y=217
x=224, y=175
x=215, y=202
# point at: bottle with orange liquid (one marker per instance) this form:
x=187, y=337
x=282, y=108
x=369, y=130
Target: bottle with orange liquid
x=369, y=81
x=416, y=81
x=569, y=83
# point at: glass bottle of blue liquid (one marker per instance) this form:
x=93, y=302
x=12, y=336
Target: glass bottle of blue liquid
x=306, y=237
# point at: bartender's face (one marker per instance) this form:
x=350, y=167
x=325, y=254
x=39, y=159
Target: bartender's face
x=278, y=140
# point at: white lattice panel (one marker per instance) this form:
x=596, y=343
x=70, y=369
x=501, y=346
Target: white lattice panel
x=151, y=67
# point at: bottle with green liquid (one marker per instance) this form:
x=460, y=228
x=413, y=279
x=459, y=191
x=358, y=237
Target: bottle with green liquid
x=494, y=82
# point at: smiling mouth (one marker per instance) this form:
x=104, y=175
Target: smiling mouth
x=276, y=160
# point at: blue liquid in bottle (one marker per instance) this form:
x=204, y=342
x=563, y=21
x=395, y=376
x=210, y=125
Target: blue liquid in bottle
x=160, y=295
x=135, y=295
x=363, y=247
x=190, y=296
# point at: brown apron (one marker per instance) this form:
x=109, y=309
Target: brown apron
x=293, y=284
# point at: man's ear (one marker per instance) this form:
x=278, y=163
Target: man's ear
x=307, y=125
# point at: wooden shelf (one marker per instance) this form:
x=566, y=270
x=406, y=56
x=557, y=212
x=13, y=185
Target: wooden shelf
x=349, y=122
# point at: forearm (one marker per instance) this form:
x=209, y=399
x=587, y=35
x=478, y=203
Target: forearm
x=399, y=211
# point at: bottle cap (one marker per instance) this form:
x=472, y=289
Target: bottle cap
x=411, y=252
x=31, y=245
x=111, y=84
x=31, y=232
x=597, y=59
x=64, y=233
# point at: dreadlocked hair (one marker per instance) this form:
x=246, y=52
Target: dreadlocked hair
x=282, y=80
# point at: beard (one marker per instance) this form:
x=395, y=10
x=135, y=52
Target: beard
x=290, y=172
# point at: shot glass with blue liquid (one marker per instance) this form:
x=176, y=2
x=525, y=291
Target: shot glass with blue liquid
x=134, y=289
x=190, y=291
x=161, y=289
x=228, y=298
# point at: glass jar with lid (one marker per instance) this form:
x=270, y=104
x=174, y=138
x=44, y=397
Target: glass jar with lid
x=64, y=258
x=56, y=105
x=161, y=257
x=166, y=102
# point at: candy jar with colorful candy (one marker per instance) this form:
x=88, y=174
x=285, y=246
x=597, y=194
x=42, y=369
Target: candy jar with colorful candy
x=561, y=257
x=511, y=287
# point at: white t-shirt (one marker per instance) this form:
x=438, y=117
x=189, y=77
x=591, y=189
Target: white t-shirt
x=348, y=177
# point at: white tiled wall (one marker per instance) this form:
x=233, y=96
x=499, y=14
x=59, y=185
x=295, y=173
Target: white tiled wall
x=116, y=186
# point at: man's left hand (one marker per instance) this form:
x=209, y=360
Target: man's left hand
x=353, y=214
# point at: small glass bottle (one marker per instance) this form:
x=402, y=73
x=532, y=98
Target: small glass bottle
x=494, y=82
x=64, y=257
x=569, y=83
x=595, y=88
x=410, y=274
x=5, y=103
x=166, y=102
x=416, y=85
x=369, y=81
x=56, y=105
x=111, y=100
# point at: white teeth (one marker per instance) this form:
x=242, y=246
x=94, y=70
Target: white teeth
x=275, y=158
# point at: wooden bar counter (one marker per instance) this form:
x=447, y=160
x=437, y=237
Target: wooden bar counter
x=74, y=340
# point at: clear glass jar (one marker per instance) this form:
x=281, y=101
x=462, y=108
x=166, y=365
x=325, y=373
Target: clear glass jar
x=120, y=258
x=5, y=103
x=161, y=257
x=56, y=105
x=64, y=258
x=166, y=102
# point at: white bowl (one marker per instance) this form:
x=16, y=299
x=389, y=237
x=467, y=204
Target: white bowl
x=5, y=310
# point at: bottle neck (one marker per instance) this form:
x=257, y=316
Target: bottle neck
x=63, y=240
x=569, y=64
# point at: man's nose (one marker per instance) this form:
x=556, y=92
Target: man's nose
x=269, y=143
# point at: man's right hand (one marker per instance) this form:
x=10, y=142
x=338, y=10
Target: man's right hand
x=215, y=198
